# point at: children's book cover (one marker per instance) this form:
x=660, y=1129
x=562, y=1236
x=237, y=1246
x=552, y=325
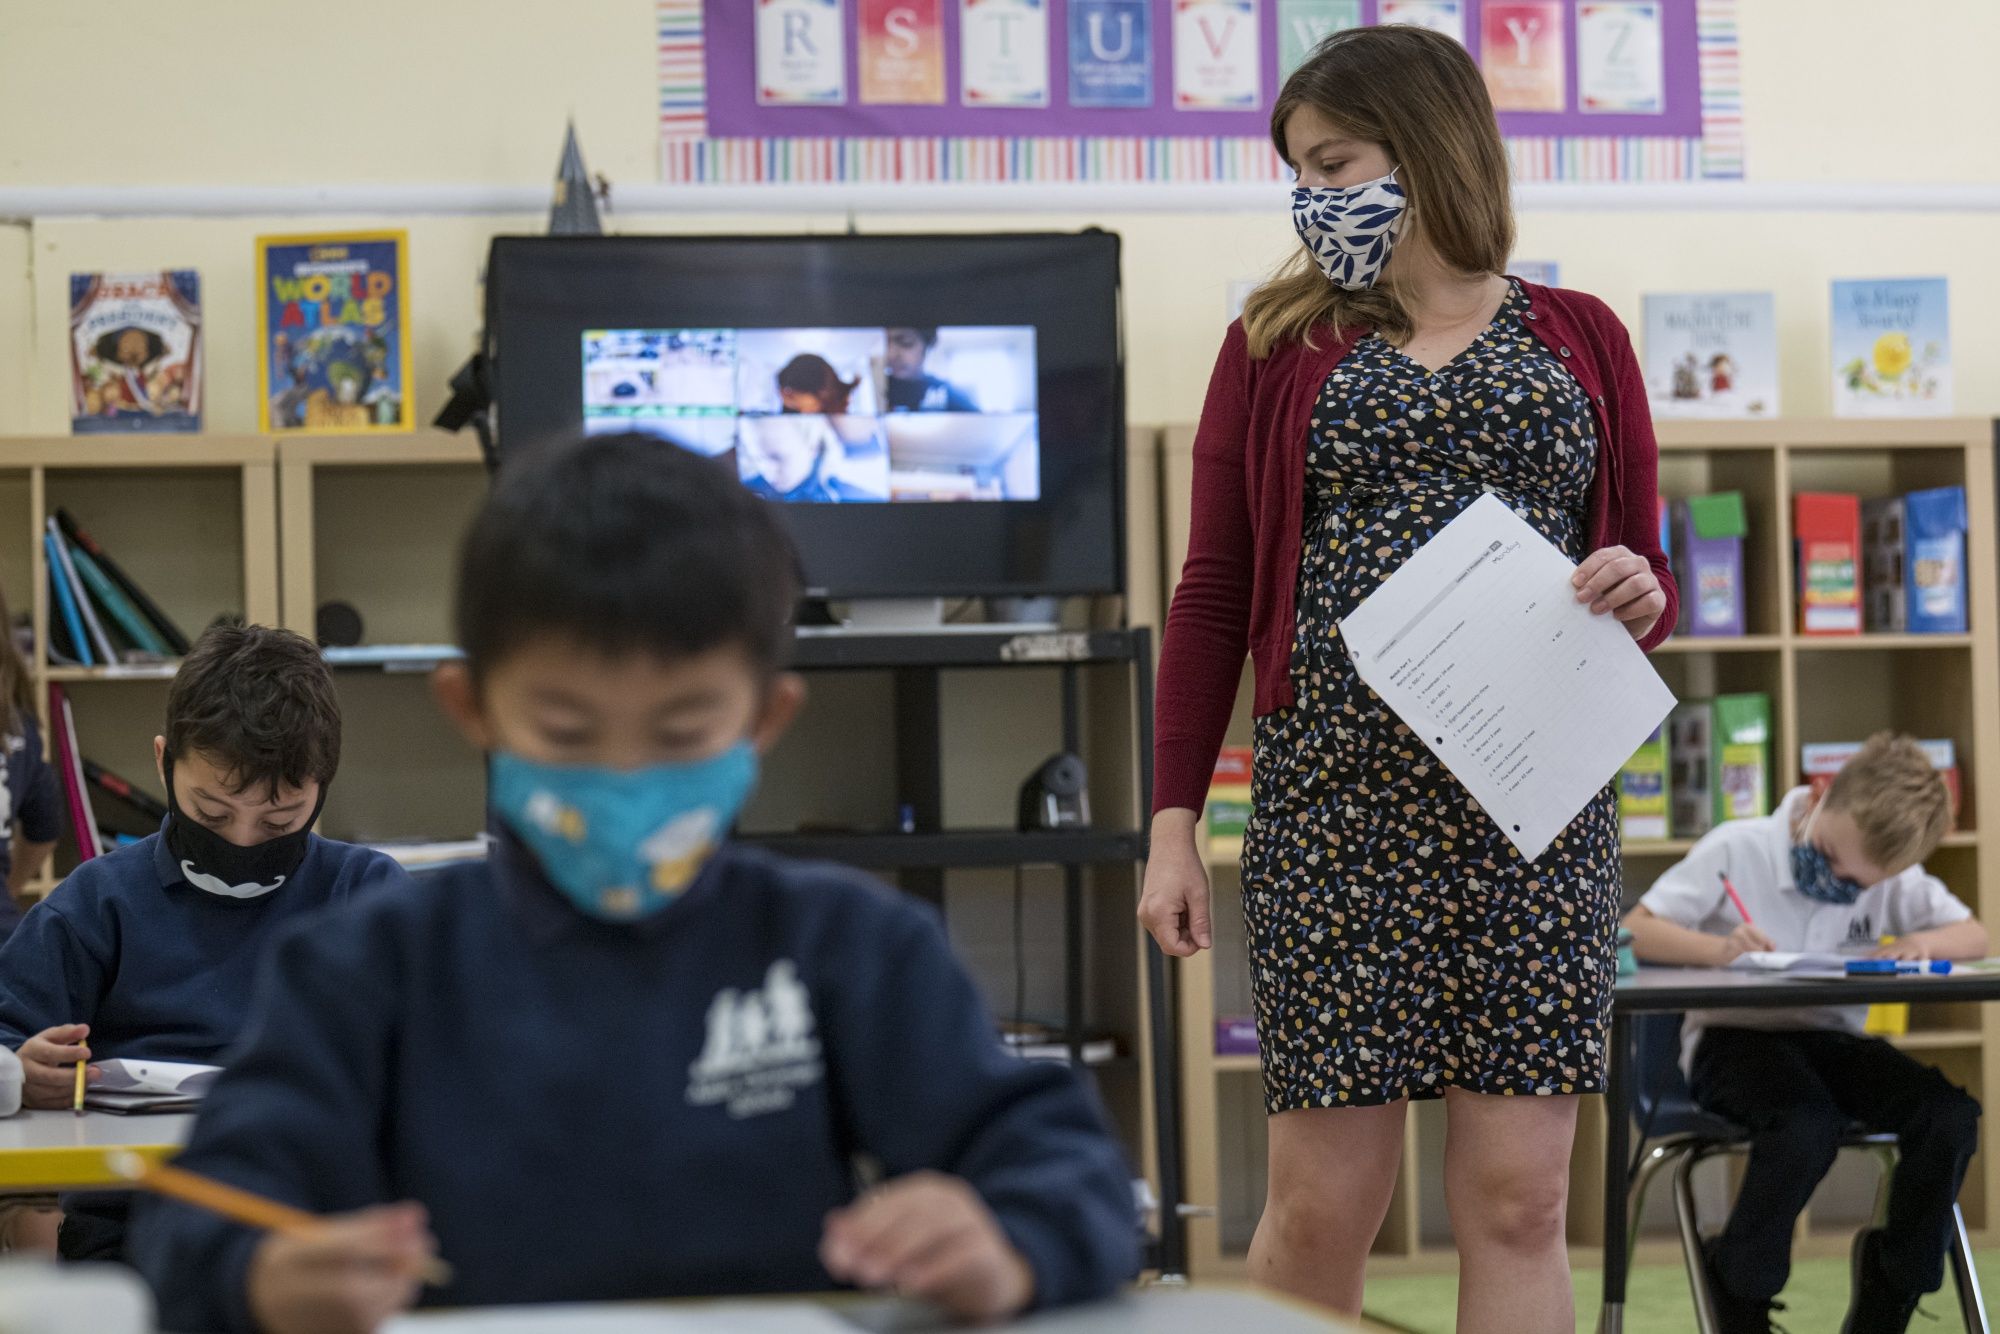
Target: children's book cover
x=135, y=351
x=333, y=319
x=1712, y=354
x=1891, y=348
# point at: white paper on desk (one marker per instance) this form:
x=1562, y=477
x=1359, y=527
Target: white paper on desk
x=1786, y=961
x=789, y=1317
x=132, y=1075
x=1479, y=644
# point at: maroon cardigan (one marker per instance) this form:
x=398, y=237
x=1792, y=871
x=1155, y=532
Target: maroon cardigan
x=1237, y=587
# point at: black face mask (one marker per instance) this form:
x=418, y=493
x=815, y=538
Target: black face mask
x=210, y=862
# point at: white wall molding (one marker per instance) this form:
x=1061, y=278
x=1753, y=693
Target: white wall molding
x=148, y=201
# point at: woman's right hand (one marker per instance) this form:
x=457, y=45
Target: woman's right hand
x=1175, y=904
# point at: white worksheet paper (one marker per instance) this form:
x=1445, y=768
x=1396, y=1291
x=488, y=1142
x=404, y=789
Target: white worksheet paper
x=790, y=1317
x=1479, y=645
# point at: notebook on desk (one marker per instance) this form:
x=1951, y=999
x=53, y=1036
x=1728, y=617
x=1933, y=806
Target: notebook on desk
x=1783, y=961
x=129, y=1087
x=777, y=1317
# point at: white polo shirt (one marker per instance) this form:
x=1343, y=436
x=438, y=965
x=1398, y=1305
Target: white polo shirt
x=1757, y=857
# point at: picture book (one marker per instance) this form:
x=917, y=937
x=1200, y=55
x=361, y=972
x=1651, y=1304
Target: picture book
x=1229, y=793
x=1712, y=354
x=1690, y=733
x=1934, y=565
x=1642, y=790
x=1883, y=547
x=1913, y=575
x=1707, y=559
x=1742, y=756
x=1891, y=348
x=135, y=351
x=1721, y=761
x=333, y=315
x=1826, y=529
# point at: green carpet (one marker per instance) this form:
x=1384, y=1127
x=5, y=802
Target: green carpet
x=1657, y=1302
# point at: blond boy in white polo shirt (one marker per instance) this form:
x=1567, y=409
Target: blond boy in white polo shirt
x=1826, y=876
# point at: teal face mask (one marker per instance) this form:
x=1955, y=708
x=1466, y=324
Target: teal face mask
x=621, y=844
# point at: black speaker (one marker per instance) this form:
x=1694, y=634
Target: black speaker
x=338, y=625
x=1056, y=795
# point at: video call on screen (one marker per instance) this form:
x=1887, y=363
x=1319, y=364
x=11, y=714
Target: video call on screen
x=832, y=415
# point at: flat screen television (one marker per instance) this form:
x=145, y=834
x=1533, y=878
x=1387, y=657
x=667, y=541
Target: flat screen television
x=935, y=416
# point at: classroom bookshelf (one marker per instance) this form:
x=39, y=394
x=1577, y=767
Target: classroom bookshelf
x=374, y=522
x=193, y=518
x=1821, y=689
x=269, y=529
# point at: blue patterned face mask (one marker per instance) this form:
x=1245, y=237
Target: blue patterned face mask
x=1350, y=230
x=621, y=844
x=1814, y=875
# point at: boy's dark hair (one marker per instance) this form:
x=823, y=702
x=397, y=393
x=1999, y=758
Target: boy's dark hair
x=625, y=542
x=260, y=704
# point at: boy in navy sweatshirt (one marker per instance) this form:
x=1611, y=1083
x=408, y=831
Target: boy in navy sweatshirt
x=150, y=951
x=625, y=1058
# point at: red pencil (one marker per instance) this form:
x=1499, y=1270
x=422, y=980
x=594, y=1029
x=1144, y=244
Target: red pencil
x=1735, y=898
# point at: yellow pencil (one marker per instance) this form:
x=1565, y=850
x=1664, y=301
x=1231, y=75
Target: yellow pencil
x=234, y=1203
x=82, y=1071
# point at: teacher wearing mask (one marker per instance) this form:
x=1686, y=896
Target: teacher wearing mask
x=1400, y=947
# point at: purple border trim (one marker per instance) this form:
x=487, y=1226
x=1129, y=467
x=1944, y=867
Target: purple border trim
x=729, y=28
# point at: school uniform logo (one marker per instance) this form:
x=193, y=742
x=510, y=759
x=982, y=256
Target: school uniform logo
x=762, y=1047
x=1861, y=930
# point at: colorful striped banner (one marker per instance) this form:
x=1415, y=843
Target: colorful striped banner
x=688, y=156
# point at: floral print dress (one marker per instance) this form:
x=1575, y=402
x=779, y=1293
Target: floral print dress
x=1399, y=944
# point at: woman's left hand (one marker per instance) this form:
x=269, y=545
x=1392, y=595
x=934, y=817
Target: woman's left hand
x=1612, y=579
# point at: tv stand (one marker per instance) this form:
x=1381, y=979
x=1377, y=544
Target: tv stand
x=880, y=615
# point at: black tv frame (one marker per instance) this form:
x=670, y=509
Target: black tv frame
x=1070, y=542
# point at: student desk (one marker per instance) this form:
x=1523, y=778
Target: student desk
x=1156, y=1310
x=48, y=1151
x=1656, y=990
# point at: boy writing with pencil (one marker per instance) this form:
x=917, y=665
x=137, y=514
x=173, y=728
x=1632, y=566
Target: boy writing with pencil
x=1836, y=874
x=150, y=951
x=625, y=1058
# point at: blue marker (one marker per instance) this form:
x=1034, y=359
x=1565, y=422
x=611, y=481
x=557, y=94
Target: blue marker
x=1881, y=967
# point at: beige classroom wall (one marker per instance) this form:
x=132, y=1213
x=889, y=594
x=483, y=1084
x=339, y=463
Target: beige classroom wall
x=476, y=92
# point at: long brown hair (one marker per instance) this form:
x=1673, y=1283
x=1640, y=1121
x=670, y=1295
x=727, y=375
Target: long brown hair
x=1419, y=94
x=17, y=687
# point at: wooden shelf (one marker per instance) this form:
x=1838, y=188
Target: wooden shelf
x=1939, y=1039
x=1816, y=643
x=412, y=449
x=57, y=452
x=1723, y=644
x=143, y=671
x=1236, y=1064
x=1657, y=847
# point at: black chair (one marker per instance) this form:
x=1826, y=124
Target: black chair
x=1674, y=1131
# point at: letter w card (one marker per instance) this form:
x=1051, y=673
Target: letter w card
x=801, y=53
x=902, y=52
x=1110, y=53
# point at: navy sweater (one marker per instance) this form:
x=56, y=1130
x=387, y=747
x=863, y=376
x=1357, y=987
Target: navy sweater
x=155, y=966
x=592, y=1111
x=28, y=801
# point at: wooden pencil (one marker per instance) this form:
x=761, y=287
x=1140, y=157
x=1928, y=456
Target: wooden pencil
x=235, y=1203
